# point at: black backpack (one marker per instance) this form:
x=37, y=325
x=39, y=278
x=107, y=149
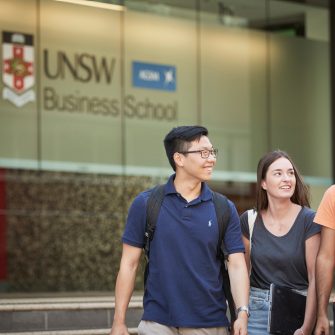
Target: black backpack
x=222, y=210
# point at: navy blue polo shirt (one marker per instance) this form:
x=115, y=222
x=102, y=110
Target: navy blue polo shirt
x=184, y=286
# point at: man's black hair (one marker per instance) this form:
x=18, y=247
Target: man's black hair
x=179, y=139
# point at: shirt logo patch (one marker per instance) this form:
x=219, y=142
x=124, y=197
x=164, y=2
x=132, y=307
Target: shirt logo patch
x=209, y=223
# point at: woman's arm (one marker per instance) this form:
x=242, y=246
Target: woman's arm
x=312, y=246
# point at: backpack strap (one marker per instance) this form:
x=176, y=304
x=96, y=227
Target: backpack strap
x=222, y=210
x=252, y=214
x=154, y=204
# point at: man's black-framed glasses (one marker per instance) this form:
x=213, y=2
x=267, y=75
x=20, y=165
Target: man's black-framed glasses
x=205, y=153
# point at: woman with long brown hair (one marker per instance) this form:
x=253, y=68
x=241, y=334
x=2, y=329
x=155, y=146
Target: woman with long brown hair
x=284, y=241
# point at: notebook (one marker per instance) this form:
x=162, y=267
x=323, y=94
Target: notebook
x=287, y=310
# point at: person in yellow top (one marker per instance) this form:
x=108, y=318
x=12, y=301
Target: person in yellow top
x=325, y=261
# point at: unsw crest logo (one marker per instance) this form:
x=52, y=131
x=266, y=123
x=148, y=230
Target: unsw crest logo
x=18, y=68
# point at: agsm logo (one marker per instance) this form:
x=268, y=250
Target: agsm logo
x=154, y=76
x=18, y=68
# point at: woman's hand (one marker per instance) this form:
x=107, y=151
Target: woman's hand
x=299, y=331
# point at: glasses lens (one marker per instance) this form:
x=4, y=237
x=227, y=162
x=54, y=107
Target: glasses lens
x=207, y=153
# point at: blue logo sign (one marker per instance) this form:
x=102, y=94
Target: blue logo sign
x=154, y=76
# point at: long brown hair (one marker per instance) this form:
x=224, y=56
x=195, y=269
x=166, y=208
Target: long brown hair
x=301, y=192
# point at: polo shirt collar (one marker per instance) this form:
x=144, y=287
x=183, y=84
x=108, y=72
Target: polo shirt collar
x=205, y=195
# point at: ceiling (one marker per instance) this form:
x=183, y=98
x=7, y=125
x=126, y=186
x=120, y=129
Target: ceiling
x=252, y=11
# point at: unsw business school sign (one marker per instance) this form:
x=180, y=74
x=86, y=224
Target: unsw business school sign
x=19, y=79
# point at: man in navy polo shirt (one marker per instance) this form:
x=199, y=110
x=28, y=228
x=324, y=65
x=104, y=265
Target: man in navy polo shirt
x=183, y=293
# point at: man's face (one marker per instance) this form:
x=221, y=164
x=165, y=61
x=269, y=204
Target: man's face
x=200, y=162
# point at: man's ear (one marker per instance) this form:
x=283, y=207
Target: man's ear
x=178, y=159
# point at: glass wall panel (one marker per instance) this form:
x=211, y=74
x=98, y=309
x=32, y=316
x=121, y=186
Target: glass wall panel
x=233, y=94
x=300, y=102
x=80, y=86
x=160, y=81
x=299, y=89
